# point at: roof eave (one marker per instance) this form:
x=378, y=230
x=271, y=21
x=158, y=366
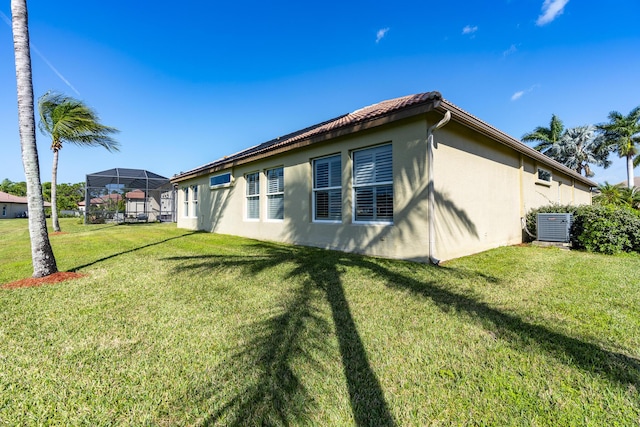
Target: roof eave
x=461, y=116
x=411, y=111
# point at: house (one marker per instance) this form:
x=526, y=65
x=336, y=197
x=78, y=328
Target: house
x=14, y=206
x=414, y=178
x=140, y=206
x=101, y=201
x=636, y=183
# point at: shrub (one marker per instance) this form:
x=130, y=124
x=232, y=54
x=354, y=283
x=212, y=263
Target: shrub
x=599, y=228
x=606, y=229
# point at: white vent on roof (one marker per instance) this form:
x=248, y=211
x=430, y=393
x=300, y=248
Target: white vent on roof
x=554, y=227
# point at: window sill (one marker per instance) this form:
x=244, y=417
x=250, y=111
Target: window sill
x=543, y=183
x=372, y=222
x=218, y=187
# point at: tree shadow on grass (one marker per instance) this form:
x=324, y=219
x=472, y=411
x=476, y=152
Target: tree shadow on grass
x=270, y=391
x=128, y=251
x=589, y=357
x=88, y=228
x=277, y=396
x=258, y=384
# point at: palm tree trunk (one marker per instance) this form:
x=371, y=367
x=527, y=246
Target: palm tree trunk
x=54, y=192
x=44, y=263
x=630, y=178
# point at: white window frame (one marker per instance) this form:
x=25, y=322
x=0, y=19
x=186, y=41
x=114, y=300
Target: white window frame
x=375, y=184
x=223, y=184
x=272, y=195
x=185, y=207
x=252, y=196
x=542, y=181
x=194, y=201
x=329, y=188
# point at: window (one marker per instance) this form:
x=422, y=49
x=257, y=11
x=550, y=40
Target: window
x=373, y=184
x=194, y=200
x=220, y=180
x=327, y=189
x=544, y=176
x=4, y=211
x=253, y=195
x=275, y=193
x=185, y=211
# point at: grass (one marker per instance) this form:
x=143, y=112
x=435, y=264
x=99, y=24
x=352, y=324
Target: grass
x=172, y=327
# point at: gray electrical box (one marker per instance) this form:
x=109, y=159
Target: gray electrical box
x=554, y=227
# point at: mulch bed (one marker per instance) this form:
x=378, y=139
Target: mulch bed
x=46, y=280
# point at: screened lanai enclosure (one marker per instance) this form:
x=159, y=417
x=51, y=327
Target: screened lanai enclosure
x=128, y=195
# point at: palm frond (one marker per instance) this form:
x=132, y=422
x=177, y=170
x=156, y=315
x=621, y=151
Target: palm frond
x=68, y=120
x=545, y=137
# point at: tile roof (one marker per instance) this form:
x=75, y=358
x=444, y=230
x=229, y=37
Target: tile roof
x=10, y=198
x=346, y=122
x=371, y=116
x=636, y=182
x=103, y=199
x=135, y=194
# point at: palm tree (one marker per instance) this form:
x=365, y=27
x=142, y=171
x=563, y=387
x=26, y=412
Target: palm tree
x=623, y=134
x=608, y=194
x=546, y=137
x=617, y=195
x=44, y=262
x=580, y=147
x=65, y=119
x=631, y=197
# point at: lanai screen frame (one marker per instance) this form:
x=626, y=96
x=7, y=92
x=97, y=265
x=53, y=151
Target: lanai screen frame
x=127, y=178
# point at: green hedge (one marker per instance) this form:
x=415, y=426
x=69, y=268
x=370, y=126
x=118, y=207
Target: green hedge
x=603, y=229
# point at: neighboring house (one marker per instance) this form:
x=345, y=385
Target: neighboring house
x=636, y=183
x=14, y=206
x=139, y=206
x=136, y=202
x=362, y=183
x=102, y=201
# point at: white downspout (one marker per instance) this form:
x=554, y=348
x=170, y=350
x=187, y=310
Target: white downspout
x=431, y=213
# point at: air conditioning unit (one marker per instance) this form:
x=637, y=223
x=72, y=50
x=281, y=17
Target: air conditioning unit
x=554, y=227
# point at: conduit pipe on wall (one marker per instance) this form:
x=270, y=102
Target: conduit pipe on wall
x=431, y=189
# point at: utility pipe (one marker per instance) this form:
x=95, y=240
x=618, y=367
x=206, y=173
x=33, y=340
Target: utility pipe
x=431, y=213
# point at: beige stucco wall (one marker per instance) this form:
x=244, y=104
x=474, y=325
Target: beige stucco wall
x=482, y=189
x=485, y=188
x=10, y=210
x=222, y=210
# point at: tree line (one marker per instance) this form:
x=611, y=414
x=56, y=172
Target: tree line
x=581, y=147
x=68, y=195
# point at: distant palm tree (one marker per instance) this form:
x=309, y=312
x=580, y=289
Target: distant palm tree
x=631, y=197
x=608, y=194
x=546, y=137
x=617, y=195
x=623, y=134
x=580, y=147
x=44, y=262
x=65, y=119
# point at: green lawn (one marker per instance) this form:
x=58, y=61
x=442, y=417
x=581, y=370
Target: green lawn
x=172, y=327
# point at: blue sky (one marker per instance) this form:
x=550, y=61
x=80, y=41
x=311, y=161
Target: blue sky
x=190, y=82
